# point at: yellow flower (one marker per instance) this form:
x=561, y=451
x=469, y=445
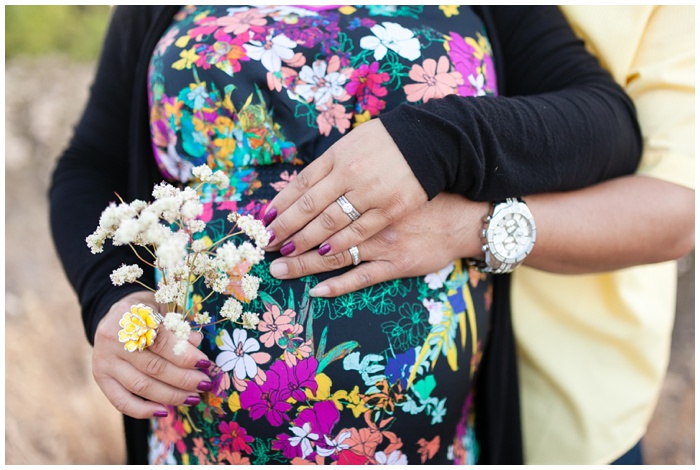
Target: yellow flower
x=361, y=118
x=450, y=10
x=139, y=327
x=188, y=58
x=234, y=402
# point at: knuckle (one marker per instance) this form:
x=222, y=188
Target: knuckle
x=358, y=230
x=337, y=260
x=121, y=404
x=303, y=180
x=282, y=225
x=327, y=222
x=141, y=385
x=301, y=266
x=301, y=241
x=307, y=204
x=365, y=278
x=154, y=366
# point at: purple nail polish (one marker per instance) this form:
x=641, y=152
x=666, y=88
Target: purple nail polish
x=323, y=249
x=287, y=248
x=269, y=216
x=193, y=400
x=203, y=364
x=272, y=236
x=205, y=386
x=160, y=414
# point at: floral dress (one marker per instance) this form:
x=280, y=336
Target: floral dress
x=383, y=375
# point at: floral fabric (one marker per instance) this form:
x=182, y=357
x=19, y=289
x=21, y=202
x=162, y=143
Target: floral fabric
x=383, y=375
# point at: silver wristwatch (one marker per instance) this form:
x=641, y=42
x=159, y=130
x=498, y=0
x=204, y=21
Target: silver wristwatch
x=509, y=236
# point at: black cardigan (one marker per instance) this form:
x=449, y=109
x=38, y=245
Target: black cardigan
x=560, y=124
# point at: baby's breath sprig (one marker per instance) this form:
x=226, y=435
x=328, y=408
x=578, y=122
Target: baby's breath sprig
x=168, y=229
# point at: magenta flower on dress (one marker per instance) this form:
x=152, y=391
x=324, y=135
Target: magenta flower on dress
x=266, y=400
x=297, y=378
x=234, y=437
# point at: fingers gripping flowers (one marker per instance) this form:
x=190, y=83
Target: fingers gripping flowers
x=169, y=230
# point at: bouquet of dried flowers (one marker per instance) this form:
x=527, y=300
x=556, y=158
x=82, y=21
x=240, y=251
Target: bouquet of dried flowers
x=170, y=232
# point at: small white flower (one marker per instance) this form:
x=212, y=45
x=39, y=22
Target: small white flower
x=477, y=83
x=335, y=446
x=202, y=318
x=202, y=172
x=250, y=253
x=250, y=320
x=191, y=209
x=96, y=240
x=172, y=251
x=199, y=245
x=255, y=229
x=219, y=179
x=250, y=285
x=196, y=226
x=127, y=232
x=164, y=190
x=231, y=309
x=125, y=273
x=232, y=217
x=180, y=347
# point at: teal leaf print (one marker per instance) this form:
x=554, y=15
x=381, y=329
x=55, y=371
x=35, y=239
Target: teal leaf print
x=338, y=352
x=368, y=365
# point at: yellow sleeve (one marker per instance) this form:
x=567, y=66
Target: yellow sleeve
x=653, y=58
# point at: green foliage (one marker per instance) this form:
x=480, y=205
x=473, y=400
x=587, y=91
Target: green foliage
x=75, y=31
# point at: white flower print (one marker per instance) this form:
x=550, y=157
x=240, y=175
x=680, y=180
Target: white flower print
x=436, y=280
x=435, y=309
x=236, y=354
x=303, y=436
x=392, y=36
x=477, y=83
x=320, y=87
x=335, y=446
x=272, y=52
x=395, y=458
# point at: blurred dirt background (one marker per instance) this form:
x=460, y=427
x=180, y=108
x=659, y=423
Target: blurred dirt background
x=54, y=412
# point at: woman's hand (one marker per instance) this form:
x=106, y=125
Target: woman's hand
x=367, y=168
x=138, y=383
x=423, y=242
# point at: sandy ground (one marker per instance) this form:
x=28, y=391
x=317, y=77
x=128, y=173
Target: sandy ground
x=54, y=412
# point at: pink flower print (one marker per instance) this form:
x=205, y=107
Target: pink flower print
x=371, y=104
x=266, y=400
x=367, y=79
x=293, y=345
x=297, y=378
x=332, y=116
x=234, y=437
x=322, y=82
x=166, y=41
x=205, y=26
x=242, y=21
x=274, y=324
x=240, y=354
x=200, y=451
x=286, y=179
x=435, y=80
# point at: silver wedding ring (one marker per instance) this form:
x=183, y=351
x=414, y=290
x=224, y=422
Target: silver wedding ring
x=348, y=208
x=355, y=253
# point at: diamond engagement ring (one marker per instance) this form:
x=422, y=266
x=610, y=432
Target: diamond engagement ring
x=355, y=253
x=348, y=208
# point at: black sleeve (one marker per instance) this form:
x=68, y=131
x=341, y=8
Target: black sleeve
x=564, y=124
x=93, y=169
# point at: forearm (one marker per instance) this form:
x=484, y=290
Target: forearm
x=620, y=223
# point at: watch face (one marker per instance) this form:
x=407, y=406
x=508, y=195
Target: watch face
x=511, y=234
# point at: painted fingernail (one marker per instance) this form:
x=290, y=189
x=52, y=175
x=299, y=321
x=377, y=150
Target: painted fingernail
x=269, y=216
x=193, y=400
x=288, y=248
x=205, y=386
x=323, y=249
x=203, y=364
x=272, y=236
x=160, y=414
x=279, y=268
x=320, y=291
